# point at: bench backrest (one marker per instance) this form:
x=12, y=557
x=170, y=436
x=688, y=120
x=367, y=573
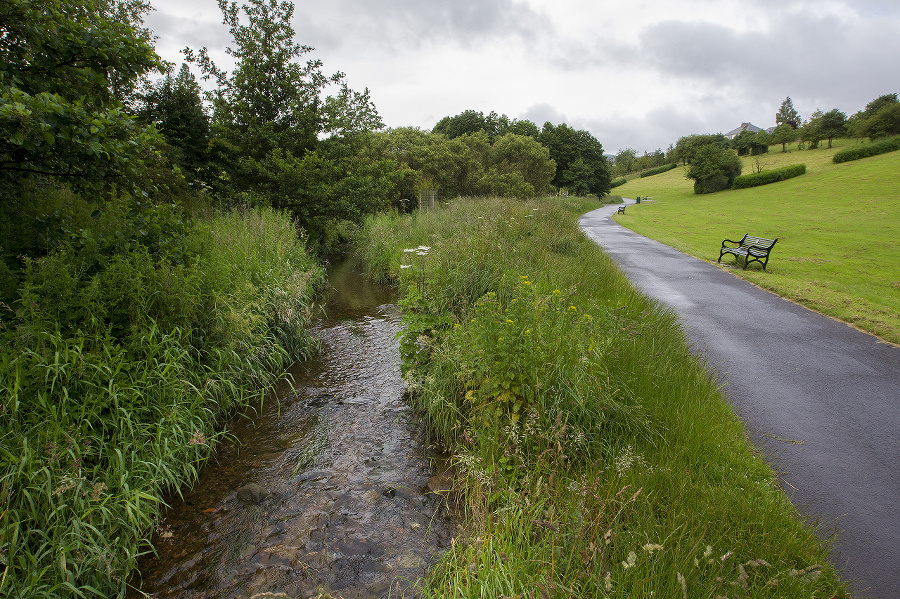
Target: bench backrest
x=757, y=242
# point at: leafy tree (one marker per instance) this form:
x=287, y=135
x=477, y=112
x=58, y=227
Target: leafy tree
x=472, y=121
x=784, y=134
x=811, y=131
x=625, y=160
x=832, y=124
x=567, y=146
x=747, y=142
x=885, y=122
x=61, y=119
x=787, y=114
x=526, y=157
x=270, y=113
x=713, y=168
x=686, y=147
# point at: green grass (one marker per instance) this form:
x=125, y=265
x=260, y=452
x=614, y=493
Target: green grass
x=594, y=452
x=114, y=380
x=837, y=227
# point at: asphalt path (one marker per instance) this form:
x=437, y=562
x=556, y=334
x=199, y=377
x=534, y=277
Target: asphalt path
x=821, y=398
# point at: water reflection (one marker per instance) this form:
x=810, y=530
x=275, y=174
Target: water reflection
x=326, y=492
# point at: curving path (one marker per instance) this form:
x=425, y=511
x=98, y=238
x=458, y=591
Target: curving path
x=820, y=397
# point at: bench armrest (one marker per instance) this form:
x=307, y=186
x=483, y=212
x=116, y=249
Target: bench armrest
x=724, y=241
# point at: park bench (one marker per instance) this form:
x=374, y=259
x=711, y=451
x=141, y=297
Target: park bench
x=753, y=249
x=621, y=209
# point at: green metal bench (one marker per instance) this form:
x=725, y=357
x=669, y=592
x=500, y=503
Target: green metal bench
x=752, y=249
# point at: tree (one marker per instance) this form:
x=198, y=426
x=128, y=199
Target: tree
x=270, y=113
x=787, y=114
x=784, y=134
x=713, y=168
x=747, y=142
x=567, y=146
x=61, y=63
x=880, y=118
x=832, y=124
x=811, y=131
x=523, y=155
x=174, y=106
x=686, y=147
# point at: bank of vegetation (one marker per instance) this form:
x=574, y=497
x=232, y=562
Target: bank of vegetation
x=593, y=453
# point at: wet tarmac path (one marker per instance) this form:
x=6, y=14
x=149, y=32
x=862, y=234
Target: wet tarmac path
x=820, y=398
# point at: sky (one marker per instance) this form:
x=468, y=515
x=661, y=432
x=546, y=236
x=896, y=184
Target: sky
x=636, y=74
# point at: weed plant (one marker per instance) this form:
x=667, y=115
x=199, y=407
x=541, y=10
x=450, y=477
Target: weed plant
x=594, y=453
x=118, y=364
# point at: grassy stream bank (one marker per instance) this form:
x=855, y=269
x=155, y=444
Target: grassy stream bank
x=129, y=348
x=594, y=454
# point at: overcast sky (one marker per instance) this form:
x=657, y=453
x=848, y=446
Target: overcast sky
x=635, y=73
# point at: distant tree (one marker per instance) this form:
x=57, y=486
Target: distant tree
x=687, y=147
x=787, y=114
x=885, y=122
x=173, y=104
x=878, y=103
x=783, y=134
x=625, y=160
x=468, y=121
x=713, y=168
x=811, y=131
x=747, y=142
x=567, y=146
x=832, y=124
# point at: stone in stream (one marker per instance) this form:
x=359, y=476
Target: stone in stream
x=252, y=492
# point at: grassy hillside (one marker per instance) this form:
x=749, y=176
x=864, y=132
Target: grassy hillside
x=836, y=226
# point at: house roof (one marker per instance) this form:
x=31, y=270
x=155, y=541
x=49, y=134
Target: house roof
x=744, y=127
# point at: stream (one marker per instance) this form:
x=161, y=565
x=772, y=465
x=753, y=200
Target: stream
x=325, y=491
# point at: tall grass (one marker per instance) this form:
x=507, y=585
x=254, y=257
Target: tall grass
x=594, y=452
x=116, y=369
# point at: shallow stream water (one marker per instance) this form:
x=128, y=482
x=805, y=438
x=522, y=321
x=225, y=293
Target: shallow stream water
x=325, y=491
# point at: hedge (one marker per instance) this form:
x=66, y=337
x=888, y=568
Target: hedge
x=617, y=182
x=864, y=151
x=766, y=177
x=658, y=170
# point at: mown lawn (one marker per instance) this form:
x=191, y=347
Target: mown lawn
x=836, y=226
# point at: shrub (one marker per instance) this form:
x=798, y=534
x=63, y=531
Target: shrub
x=713, y=168
x=864, y=151
x=766, y=177
x=617, y=182
x=660, y=169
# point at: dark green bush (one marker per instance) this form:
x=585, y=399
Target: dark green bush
x=713, y=168
x=660, y=169
x=864, y=151
x=766, y=177
x=617, y=182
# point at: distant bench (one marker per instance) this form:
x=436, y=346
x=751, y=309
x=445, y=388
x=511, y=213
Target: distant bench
x=621, y=209
x=753, y=249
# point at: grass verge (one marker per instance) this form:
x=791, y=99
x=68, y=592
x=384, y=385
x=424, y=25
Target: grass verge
x=594, y=452
x=836, y=226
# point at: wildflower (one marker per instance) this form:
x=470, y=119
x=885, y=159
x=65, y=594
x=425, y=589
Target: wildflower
x=410, y=250
x=527, y=331
x=632, y=559
x=650, y=548
x=402, y=266
x=727, y=555
x=608, y=581
x=198, y=439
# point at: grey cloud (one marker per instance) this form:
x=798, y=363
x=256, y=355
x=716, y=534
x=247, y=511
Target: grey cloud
x=396, y=24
